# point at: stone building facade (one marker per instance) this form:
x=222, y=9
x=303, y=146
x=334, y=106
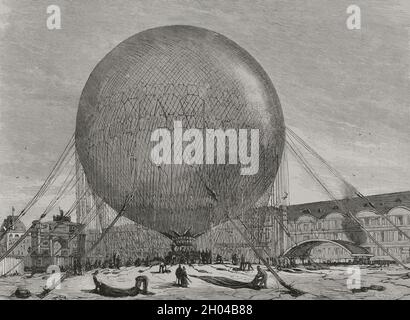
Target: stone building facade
x=57, y=242
x=275, y=230
x=10, y=231
x=325, y=220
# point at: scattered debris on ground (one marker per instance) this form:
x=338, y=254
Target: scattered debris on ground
x=372, y=287
x=22, y=293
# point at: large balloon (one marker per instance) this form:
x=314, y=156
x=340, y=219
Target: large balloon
x=149, y=81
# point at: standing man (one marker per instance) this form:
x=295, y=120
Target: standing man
x=184, y=278
x=178, y=274
x=162, y=267
x=118, y=261
x=242, y=266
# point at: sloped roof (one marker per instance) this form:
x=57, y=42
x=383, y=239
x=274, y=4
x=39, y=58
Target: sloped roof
x=382, y=202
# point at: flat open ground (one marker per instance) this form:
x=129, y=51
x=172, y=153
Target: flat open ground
x=321, y=284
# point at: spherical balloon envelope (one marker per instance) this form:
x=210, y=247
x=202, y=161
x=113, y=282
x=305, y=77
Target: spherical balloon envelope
x=154, y=78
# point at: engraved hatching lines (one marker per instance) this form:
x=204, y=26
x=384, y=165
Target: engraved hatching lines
x=208, y=106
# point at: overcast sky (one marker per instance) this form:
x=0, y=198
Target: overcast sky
x=346, y=92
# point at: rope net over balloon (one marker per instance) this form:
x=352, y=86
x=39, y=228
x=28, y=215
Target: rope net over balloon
x=177, y=189
x=150, y=81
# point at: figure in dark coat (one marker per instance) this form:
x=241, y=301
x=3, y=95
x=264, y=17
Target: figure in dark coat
x=141, y=286
x=178, y=274
x=184, y=278
x=260, y=279
x=242, y=265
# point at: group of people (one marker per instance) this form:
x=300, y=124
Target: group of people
x=283, y=262
x=172, y=258
x=244, y=265
x=182, y=277
x=185, y=255
x=114, y=261
x=77, y=268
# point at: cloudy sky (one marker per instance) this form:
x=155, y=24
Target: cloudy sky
x=346, y=92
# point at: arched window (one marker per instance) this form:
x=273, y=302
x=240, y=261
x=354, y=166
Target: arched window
x=367, y=218
x=306, y=223
x=333, y=220
x=400, y=216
